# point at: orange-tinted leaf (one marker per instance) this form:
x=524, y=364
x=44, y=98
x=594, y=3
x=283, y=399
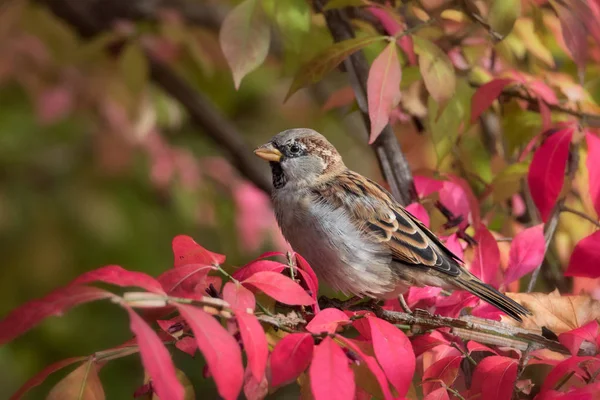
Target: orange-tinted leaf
x=436, y=69
x=383, y=89
x=244, y=38
x=331, y=377
x=42, y=375
x=82, y=384
x=340, y=98
x=547, y=171
x=220, y=350
x=557, y=313
x=316, y=68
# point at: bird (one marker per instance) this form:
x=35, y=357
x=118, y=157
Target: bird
x=352, y=232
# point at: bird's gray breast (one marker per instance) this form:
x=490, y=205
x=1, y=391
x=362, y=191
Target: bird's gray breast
x=337, y=250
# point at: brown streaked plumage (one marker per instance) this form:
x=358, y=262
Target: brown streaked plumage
x=353, y=233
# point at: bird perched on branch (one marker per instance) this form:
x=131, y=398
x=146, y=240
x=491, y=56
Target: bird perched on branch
x=353, y=233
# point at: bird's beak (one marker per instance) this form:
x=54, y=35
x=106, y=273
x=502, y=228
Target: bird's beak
x=268, y=152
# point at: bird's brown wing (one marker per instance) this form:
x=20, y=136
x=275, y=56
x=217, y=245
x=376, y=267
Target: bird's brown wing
x=385, y=221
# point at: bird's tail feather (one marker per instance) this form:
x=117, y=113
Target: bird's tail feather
x=492, y=296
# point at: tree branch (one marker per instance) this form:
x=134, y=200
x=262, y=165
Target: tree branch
x=80, y=14
x=391, y=159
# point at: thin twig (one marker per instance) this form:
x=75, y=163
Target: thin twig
x=580, y=214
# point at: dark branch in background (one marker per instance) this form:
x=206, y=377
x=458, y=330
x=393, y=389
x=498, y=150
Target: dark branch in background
x=84, y=17
x=391, y=159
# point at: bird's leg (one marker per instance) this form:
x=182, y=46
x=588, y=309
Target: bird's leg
x=403, y=304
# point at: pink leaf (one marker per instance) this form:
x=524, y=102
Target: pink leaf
x=585, y=256
x=526, y=253
x=438, y=394
x=43, y=374
x=331, y=377
x=452, y=305
x=156, y=359
x=574, y=34
x=456, y=196
x=454, y=246
x=290, y=357
x=485, y=96
x=313, y=282
x=494, y=378
x=116, y=275
x=253, y=389
x=593, y=147
x=188, y=345
x=327, y=320
x=25, y=317
x=416, y=294
x=572, y=340
x=372, y=364
x=221, y=351
x=426, y=186
x=183, y=280
x=486, y=262
x=392, y=27
x=238, y=297
x=279, y=287
x=383, y=89
x=547, y=171
x=445, y=370
x=256, y=266
x=474, y=346
x=187, y=251
x=54, y=104
x=418, y=211
x=255, y=343
x=394, y=352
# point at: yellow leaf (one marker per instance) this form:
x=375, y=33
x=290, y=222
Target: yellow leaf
x=503, y=14
x=81, y=384
x=436, y=69
x=508, y=181
x=525, y=30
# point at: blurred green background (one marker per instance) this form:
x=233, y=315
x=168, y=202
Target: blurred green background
x=98, y=166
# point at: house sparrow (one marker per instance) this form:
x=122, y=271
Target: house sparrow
x=353, y=233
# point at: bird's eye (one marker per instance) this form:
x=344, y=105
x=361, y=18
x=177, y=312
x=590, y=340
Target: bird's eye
x=294, y=149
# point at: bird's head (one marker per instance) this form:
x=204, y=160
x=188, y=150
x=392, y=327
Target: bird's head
x=300, y=157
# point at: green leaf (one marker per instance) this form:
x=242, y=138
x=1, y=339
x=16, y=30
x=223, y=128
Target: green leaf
x=293, y=20
x=508, y=181
x=518, y=126
x=244, y=39
x=333, y=4
x=436, y=69
x=503, y=14
x=134, y=67
x=314, y=70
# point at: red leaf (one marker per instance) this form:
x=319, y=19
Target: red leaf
x=474, y=346
x=426, y=186
x=494, y=378
x=271, y=254
x=25, y=317
x=279, y=287
x=572, y=340
x=328, y=321
x=526, y=253
x=485, y=95
x=331, y=377
x=183, y=280
x=438, y=394
x=116, y=275
x=238, y=297
x=255, y=343
x=452, y=305
x=221, y=351
x=584, y=257
x=313, y=282
x=417, y=294
x=392, y=27
x=372, y=364
x=42, y=375
x=290, y=357
x=547, y=171
x=187, y=344
x=486, y=262
x=423, y=343
x=418, y=211
x=187, y=251
x=454, y=246
x=456, y=196
x=570, y=365
x=156, y=359
x=593, y=147
x=394, y=352
x=257, y=266
x=383, y=89
x=445, y=370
